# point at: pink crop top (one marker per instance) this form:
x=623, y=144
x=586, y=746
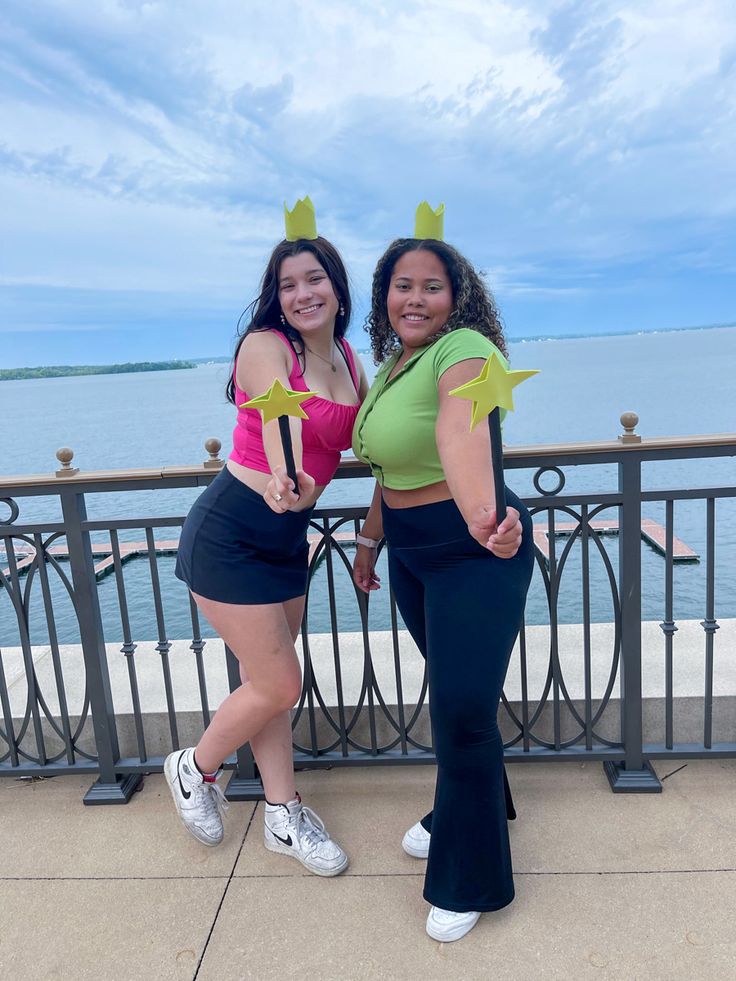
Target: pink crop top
x=326, y=432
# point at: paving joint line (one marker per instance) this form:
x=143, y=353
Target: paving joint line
x=224, y=894
x=306, y=875
x=352, y=875
x=112, y=878
x=418, y=875
x=630, y=872
x=673, y=772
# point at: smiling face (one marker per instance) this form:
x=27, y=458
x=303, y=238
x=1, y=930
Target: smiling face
x=419, y=299
x=306, y=294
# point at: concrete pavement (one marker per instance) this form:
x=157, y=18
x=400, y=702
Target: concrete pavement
x=609, y=887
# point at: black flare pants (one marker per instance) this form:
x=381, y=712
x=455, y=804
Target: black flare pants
x=463, y=606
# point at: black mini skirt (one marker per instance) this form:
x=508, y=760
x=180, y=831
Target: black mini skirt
x=235, y=549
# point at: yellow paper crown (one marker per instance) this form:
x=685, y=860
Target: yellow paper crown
x=430, y=223
x=300, y=222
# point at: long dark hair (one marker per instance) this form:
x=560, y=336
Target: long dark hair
x=265, y=311
x=473, y=303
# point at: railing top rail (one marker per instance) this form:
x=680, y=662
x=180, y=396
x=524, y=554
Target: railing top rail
x=52, y=482
x=616, y=446
x=102, y=476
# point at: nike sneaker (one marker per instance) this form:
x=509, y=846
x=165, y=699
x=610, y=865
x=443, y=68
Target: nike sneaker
x=199, y=801
x=293, y=829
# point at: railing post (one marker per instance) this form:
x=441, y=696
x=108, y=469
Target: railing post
x=109, y=788
x=245, y=783
x=634, y=774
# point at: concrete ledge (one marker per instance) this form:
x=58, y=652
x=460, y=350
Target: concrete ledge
x=186, y=706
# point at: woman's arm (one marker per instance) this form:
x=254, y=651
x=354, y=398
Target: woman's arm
x=364, y=564
x=373, y=524
x=262, y=359
x=466, y=461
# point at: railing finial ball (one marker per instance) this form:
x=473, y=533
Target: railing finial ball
x=213, y=446
x=629, y=420
x=65, y=455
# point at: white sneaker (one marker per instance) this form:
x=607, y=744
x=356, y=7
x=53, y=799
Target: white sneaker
x=416, y=841
x=293, y=829
x=200, y=802
x=445, y=925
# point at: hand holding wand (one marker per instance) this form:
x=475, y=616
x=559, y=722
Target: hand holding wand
x=489, y=392
x=280, y=403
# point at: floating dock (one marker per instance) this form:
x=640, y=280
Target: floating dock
x=25, y=555
x=652, y=532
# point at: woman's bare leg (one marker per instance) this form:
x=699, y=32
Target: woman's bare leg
x=272, y=746
x=257, y=712
x=272, y=669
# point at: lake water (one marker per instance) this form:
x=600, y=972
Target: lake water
x=678, y=382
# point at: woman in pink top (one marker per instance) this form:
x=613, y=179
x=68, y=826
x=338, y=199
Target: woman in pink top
x=243, y=549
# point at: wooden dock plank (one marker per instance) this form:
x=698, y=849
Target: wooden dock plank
x=652, y=532
x=339, y=536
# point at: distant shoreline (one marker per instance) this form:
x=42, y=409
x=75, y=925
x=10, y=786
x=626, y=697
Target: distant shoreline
x=72, y=370
x=616, y=333
x=62, y=371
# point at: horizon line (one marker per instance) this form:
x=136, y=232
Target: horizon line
x=511, y=340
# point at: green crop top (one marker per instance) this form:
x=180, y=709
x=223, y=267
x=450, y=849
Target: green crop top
x=395, y=429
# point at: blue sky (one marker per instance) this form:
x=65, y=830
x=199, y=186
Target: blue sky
x=584, y=150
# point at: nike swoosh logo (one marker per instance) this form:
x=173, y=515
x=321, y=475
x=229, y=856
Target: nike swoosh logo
x=285, y=841
x=185, y=794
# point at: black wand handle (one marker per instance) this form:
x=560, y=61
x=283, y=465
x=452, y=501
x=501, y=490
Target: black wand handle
x=494, y=426
x=285, y=431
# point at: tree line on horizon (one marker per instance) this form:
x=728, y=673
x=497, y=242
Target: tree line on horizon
x=65, y=370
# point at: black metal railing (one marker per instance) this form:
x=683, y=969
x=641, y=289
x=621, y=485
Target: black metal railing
x=95, y=676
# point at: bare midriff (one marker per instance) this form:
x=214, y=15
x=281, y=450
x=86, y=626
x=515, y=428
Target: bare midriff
x=431, y=494
x=258, y=482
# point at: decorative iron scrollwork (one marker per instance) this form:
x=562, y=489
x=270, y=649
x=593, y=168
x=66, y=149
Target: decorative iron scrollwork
x=553, y=491
x=13, y=508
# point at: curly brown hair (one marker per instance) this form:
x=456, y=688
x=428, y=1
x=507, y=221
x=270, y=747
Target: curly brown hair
x=473, y=303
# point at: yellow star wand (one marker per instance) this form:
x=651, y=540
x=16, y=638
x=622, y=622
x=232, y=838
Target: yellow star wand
x=280, y=403
x=490, y=391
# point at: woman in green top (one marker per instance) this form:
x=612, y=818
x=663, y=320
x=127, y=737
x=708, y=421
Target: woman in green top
x=460, y=580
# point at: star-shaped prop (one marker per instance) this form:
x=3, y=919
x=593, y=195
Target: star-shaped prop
x=489, y=392
x=492, y=388
x=279, y=401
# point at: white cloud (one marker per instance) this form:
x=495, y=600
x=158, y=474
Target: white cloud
x=152, y=143
x=338, y=52
x=668, y=46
